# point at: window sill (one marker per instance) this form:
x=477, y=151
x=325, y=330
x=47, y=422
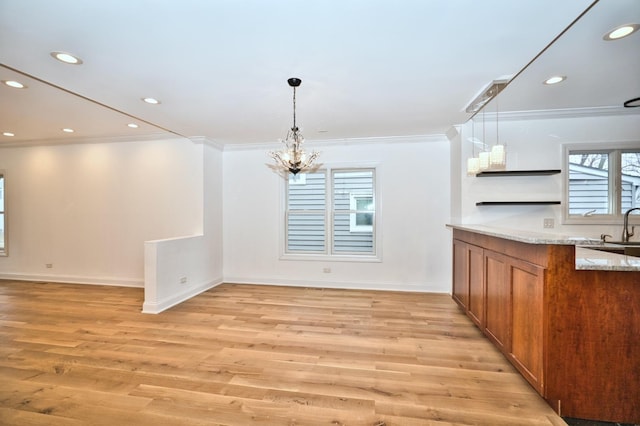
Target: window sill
x=332, y=258
x=594, y=220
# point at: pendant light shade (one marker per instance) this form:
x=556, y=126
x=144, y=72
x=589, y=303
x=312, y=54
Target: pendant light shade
x=473, y=166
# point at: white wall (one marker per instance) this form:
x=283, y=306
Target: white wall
x=177, y=269
x=87, y=209
x=536, y=143
x=414, y=190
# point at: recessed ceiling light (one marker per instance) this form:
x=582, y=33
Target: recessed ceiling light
x=555, y=79
x=621, y=31
x=152, y=101
x=67, y=58
x=132, y=125
x=14, y=84
x=8, y=134
x=67, y=130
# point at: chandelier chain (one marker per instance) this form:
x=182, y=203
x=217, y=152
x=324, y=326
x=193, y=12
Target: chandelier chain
x=294, y=109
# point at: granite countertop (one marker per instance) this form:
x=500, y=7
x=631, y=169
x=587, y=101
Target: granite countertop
x=589, y=260
x=586, y=258
x=530, y=237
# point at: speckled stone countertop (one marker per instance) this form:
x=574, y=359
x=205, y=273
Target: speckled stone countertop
x=530, y=237
x=587, y=259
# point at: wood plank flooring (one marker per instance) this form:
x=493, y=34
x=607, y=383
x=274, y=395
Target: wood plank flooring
x=242, y=354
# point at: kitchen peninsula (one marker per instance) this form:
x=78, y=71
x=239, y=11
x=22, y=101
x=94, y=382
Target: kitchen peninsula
x=567, y=317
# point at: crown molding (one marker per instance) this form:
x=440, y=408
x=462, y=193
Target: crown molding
x=546, y=114
x=206, y=141
x=319, y=143
x=89, y=140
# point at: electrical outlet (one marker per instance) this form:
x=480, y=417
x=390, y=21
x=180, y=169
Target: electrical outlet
x=326, y=270
x=49, y=265
x=183, y=280
x=548, y=223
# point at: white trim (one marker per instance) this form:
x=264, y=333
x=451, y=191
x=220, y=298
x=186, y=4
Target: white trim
x=74, y=279
x=326, y=256
x=4, y=252
x=601, y=219
x=353, y=214
x=361, y=258
x=173, y=300
x=92, y=140
x=562, y=113
x=206, y=141
x=418, y=287
x=319, y=143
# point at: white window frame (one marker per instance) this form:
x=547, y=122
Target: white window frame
x=327, y=255
x=4, y=251
x=614, y=180
x=353, y=205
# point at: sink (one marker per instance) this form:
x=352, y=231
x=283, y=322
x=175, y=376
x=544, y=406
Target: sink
x=626, y=249
x=632, y=250
x=625, y=243
x=617, y=250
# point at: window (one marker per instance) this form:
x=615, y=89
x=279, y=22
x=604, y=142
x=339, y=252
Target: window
x=602, y=184
x=362, y=219
x=331, y=212
x=3, y=243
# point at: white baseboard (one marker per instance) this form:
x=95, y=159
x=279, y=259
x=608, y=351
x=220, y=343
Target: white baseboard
x=74, y=279
x=408, y=287
x=164, y=304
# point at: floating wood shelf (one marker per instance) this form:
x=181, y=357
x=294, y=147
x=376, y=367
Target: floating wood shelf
x=519, y=172
x=514, y=203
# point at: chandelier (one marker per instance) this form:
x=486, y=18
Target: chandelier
x=292, y=158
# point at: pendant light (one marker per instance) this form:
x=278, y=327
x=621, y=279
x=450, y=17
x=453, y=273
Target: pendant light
x=498, y=155
x=293, y=159
x=473, y=163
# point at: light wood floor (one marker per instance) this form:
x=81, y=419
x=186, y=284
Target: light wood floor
x=239, y=354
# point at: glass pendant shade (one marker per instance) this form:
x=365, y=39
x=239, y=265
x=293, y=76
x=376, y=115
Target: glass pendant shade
x=473, y=166
x=484, y=160
x=498, y=156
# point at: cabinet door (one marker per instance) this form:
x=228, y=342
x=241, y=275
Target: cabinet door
x=498, y=300
x=527, y=284
x=476, y=285
x=460, y=291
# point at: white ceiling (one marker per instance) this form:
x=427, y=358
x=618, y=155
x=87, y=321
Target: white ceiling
x=369, y=68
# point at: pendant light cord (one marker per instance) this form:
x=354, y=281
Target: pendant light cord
x=497, y=126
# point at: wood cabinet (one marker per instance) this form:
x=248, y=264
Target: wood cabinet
x=476, y=309
x=498, y=294
x=460, y=291
x=525, y=352
x=468, y=280
x=503, y=297
x=573, y=335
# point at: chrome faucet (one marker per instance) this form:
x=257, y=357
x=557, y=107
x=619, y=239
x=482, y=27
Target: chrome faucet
x=625, y=227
